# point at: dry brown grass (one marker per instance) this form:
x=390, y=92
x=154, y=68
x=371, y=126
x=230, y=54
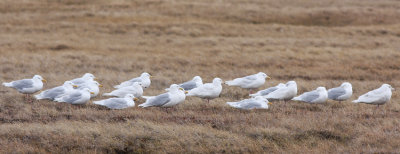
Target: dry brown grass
x=316, y=43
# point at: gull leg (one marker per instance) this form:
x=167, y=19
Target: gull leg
x=24, y=97
x=251, y=91
x=377, y=107
x=27, y=98
x=285, y=107
x=30, y=98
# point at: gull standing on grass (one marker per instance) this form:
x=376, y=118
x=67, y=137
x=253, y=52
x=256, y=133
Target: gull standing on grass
x=284, y=93
x=135, y=89
x=144, y=79
x=174, y=96
x=55, y=92
x=93, y=87
x=341, y=93
x=207, y=91
x=378, y=96
x=77, y=96
x=258, y=102
x=118, y=103
x=27, y=86
x=84, y=79
x=267, y=91
x=189, y=85
x=249, y=82
x=320, y=95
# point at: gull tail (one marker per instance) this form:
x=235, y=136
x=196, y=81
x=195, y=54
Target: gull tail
x=59, y=99
x=123, y=84
x=98, y=102
x=107, y=94
x=356, y=101
x=144, y=105
x=7, y=84
x=147, y=97
x=190, y=94
x=229, y=83
x=254, y=95
x=232, y=104
x=39, y=96
x=296, y=99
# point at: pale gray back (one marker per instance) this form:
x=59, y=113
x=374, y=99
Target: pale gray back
x=22, y=84
x=336, y=92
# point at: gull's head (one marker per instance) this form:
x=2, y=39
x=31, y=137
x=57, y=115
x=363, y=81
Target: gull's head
x=346, y=85
x=281, y=85
x=262, y=74
x=260, y=98
x=291, y=83
x=197, y=79
x=174, y=87
x=39, y=78
x=321, y=89
x=88, y=76
x=145, y=75
x=263, y=99
x=97, y=84
x=217, y=81
x=136, y=84
x=88, y=90
x=388, y=86
x=69, y=83
x=129, y=96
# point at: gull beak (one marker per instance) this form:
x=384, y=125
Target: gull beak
x=135, y=99
x=75, y=86
x=151, y=76
x=182, y=89
x=269, y=103
x=92, y=93
x=269, y=78
x=100, y=85
x=43, y=80
x=186, y=92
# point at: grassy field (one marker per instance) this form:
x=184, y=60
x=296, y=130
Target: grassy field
x=314, y=42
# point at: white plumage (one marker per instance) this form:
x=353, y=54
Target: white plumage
x=84, y=79
x=27, y=86
x=208, y=90
x=118, y=103
x=320, y=95
x=267, y=91
x=93, y=86
x=189, y=85
x=144, y=79
x=77, y=96
x=378, y=96
x=174, y=96
x=258, y=102
x=55, y=92
x=249, y=82
x=286, y=92
x=135, y=89
x=341, y=93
